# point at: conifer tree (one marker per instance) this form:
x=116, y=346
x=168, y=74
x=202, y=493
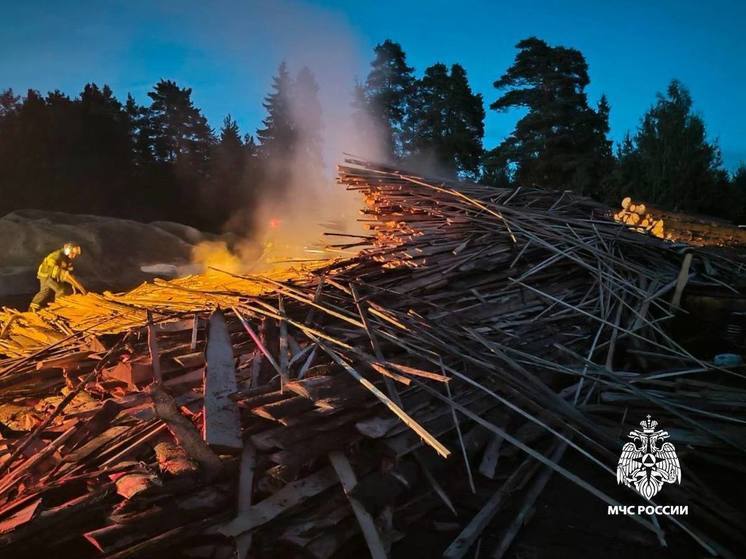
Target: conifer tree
x=669, y=161
x=385, y=96
x=277, y=137
x=445, y=124
x=179, y=132
x=561, y=141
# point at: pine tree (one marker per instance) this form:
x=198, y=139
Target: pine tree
x=179, y=132
x=277, y=138
x=290, y=143
x=106, y=128
x=230, y=136
x=561, y=141
x=10, y=106
x=386, y=95
x=729, y=197
x=9, y=103
x=139, y=133
x=228, y=164
x=103, y=151
x=445, y=122
x=739, y=177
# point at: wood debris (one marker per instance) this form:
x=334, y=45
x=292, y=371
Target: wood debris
x=476, y=327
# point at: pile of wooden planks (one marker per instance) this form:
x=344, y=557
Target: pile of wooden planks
x=479, y=335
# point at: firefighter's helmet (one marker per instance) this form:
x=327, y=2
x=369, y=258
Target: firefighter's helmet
x=71, y=250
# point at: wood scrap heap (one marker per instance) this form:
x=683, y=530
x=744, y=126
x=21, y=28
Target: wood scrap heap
x=480, y=341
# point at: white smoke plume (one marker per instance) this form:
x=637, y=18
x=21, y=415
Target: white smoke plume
x=290, y=226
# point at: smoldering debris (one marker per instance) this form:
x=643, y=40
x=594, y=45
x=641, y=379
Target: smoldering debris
x=370, y=389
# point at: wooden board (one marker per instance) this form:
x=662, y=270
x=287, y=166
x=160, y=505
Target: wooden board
x=222, y=425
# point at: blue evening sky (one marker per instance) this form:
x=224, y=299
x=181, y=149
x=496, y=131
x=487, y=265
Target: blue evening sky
x=227, y=51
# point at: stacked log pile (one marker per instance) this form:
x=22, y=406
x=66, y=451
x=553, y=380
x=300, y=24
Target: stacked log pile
x=638, y=217
x=679, y=227
x=478, y=336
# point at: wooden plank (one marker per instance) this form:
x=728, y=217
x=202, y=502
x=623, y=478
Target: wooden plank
x=461, y=545
x=185, y=381
x=401, y=414
x=252, y=402
x=156, y=546
x=394, y=394
x=155, y=357
x=309, y=361
x=284, y=355
x=195, y=330
x=376, y=427
x=185, y=432
x=307, y=431
x=389, y=374
x=284, y=408
x=317, y=446
x=289, y=496
x=175, y=325
x=20, y=517
x=64, y=361
x=533, y=493
x=191, y=360
x=681, y=281
x=130, y=444
x=464, y=453
x=31, y=437
x=321, y=387
x=324, y=519
x=222, y=424
x=133, y=372
x=418, y=372
x=346, y=475
x=258, y=341
x=96, y=443
x=245, y=490
x=97, y=424
x=491, y=454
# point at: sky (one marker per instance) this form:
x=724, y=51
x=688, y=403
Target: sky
x=227, y=51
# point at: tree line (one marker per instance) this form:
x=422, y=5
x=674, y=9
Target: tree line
x=161, y=160
x=560, y=142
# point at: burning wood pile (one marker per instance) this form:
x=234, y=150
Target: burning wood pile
x=479, y=337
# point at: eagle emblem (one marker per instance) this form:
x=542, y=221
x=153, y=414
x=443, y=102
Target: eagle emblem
x=645, y=463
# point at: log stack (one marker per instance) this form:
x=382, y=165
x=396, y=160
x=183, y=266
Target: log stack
x=478, y=336
x=679, y=227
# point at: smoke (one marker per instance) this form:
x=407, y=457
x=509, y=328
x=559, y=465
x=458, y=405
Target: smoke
x=297, y=204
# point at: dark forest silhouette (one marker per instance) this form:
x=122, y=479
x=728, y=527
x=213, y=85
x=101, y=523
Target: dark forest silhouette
x=97, y=154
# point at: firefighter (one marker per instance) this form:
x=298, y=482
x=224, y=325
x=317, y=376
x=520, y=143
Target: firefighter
x=55, y=276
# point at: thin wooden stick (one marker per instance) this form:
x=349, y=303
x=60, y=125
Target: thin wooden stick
x=410, y=422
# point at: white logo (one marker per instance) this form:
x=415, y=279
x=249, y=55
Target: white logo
x=647, y=467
